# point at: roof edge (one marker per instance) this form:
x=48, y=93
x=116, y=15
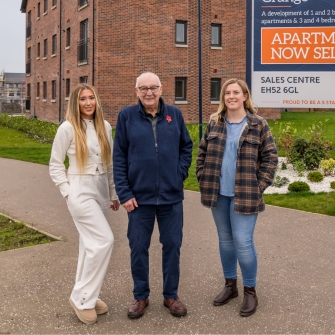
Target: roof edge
x=23, y=6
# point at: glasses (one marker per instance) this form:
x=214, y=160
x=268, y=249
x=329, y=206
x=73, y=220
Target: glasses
x=144, y=90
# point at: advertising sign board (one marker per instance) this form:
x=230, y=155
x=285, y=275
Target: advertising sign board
x=292, y=61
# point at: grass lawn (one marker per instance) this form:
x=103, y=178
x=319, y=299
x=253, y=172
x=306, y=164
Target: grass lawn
x=16, y=145
x=303, y=120
x=14, y=235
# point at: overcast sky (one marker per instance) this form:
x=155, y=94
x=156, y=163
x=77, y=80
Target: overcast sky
x=12, y=36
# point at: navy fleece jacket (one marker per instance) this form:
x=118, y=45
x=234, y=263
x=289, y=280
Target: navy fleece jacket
x=151, y=172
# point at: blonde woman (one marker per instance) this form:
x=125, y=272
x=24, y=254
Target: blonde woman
x=236, y=162
x=88, y=187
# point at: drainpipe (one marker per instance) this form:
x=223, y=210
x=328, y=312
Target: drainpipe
x=93, y=44
x=60, y=62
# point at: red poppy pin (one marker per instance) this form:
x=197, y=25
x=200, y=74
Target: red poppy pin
x=168, y=118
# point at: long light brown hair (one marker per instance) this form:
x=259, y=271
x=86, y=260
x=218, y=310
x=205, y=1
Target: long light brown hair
x=222, y=109
x=79, y=127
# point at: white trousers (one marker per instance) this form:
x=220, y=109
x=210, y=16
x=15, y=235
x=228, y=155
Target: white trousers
x=89, y=204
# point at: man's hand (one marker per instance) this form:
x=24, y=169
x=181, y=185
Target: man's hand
x=130, y=205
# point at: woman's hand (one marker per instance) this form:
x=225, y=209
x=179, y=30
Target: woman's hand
x=115, y=204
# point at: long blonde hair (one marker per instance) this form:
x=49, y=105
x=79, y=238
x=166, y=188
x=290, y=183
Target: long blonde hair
x=222, y=109
x=79, y=127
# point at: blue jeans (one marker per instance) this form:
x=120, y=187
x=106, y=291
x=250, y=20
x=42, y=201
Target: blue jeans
x=140, y=228
x=236, y=240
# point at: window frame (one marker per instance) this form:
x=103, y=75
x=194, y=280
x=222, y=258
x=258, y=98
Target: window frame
x=54, y=45
x=45, y=90
x=28, y=91
x=67, y=87
x=82, y=3
x=45, y=6
x=68, y=37
x=183, y=88
x=45, y=52
x=53, y=90
x=37, y=90
x=219, y=26
x=184, y=24
x=83, y=79
x=216, y=81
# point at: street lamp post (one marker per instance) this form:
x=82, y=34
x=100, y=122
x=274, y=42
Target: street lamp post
x=199, y=69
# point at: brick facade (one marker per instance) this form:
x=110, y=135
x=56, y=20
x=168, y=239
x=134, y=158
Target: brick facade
x=127, y=38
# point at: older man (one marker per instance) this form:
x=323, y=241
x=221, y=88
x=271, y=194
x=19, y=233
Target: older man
x=152, y=155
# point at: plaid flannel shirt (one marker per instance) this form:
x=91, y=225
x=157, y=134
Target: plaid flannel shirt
x=257, y=159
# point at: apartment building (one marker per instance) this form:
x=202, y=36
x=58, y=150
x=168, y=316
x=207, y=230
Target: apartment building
x=12, y=92
x=109, y=43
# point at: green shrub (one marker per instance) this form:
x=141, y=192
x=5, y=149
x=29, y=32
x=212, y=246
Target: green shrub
x=280, y=181
x=299, y=186
x=311, y=152
x=283, y=166
x=332, y=184
x=299, y=166
x=315, y=176
x=328, y=166
x=41, y=130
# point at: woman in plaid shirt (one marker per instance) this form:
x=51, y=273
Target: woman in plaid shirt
x=236, y=162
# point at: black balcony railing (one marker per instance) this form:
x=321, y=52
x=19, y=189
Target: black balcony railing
x=28, y=30
x=83, y=51
x=28, y=66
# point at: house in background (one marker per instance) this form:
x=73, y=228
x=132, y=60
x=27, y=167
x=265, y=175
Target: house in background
x=109, y=43
x=12, y=92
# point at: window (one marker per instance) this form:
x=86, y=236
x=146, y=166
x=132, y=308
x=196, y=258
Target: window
x=84, y=79
x=37, y=90
x=53, y=90
x=54, y=44
x=45, y=6
x=38, y=9
x=84, y=30
x=28, y=27
x=181, y=32
x=28, y=64
x=67, y=87
x=83, y=43
x=38, y=50
x=68, y=37
x=180, y=89
x=216, y=35
x=82, y=3
x=215, y=89
x=54, y=3
x=28, y=91
x=45, y=93
x=28, y=97
x=45, y=48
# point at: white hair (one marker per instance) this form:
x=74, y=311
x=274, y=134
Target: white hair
x=158, y=80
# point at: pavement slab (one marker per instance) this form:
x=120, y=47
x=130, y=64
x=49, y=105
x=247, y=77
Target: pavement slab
x=296, y=276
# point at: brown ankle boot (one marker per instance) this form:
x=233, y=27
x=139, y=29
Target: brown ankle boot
x=229, y=292
x=250, y=302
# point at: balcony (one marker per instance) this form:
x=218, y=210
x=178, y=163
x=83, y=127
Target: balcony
x=28, y=30
x=83, y=51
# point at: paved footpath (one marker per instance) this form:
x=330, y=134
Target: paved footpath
x=295, y=284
